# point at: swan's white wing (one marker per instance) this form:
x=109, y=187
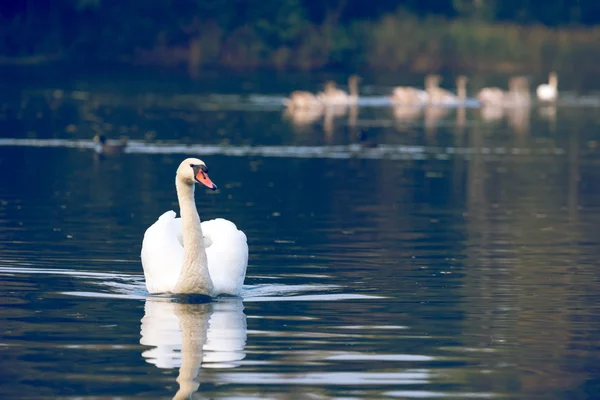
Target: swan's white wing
x=546, y=92
x=162, y=253
x=227, y=253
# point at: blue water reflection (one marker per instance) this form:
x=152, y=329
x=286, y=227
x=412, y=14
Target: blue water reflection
x=446, y=252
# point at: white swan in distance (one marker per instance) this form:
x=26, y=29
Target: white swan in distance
x=407, y=95
x=184, y=256
x=302, y=100
x=330, y=96
x=548, y=91
x=333, y=96
x=516, y=96
x=433, y=94
x=437, y=95
x=491, y=96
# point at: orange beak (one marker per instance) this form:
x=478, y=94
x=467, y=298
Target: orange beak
x=203, y=178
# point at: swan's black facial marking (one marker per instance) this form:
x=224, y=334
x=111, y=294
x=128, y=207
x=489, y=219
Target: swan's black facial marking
x=201, y=176
x=199, y=169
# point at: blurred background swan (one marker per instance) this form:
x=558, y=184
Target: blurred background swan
x=515, y=104
x=302, y=117
x=303, y=100
x=332, y=95
x=408, y=95
x=192, y=337
x=517, y=94
x=491, y=96
x=437, y=95
x=548, y=91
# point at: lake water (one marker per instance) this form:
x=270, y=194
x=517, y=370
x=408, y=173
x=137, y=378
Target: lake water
x=445, y=253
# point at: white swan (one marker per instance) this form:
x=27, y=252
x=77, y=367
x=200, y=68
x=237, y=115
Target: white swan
x=303, y=116
x=491, y=96
x=303, y=100
x=407, y=95
x=184, y=256
x=435, y=94
x=332, y=96
x=517, y=95
x=548, y=91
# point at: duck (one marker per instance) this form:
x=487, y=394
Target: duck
x=548, y=91
x=333, y=96
x=105, y=146
x=186, y=256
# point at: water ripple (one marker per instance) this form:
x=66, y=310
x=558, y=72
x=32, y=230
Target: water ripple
x=393, y=152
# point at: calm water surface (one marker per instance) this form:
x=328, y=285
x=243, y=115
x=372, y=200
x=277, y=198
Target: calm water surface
x=446, y=253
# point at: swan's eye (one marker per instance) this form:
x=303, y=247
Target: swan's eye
x=199, y=168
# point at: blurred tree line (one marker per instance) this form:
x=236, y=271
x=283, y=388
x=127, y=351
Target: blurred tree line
x=303, y=34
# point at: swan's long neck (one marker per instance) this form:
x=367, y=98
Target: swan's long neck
x=194, y=277
x=353, y=86
x=430, y=83
x=461, y=89
x=553, y=81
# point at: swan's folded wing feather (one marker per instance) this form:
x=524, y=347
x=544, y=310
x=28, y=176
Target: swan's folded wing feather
x=162, y=253
x=227, y=255
x=178, y=230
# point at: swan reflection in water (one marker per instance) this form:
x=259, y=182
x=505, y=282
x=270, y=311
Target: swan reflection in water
x=192, y=337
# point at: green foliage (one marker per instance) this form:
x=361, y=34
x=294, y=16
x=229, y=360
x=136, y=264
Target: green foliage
x=301, y=34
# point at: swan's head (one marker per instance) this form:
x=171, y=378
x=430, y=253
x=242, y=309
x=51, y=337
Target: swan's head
x=193, y=170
